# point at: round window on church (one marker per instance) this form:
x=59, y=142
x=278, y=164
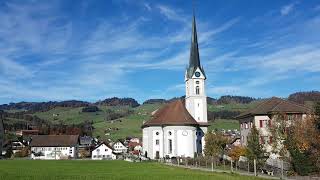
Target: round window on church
x=157, y=133
x=185, y=133
x=170, y=133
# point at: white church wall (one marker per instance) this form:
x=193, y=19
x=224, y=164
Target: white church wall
x=183, y=140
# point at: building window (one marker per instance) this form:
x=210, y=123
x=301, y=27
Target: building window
x=264, y=123
x=170, y=133
x=263, y=139
x=290, y=117
x=197, y=82
x=157, y=142
x=197, y=90
x=251, y=125
x=170, y=146
x=246, y=125
x=241, y=126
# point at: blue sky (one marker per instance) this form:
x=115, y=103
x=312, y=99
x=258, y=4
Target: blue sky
x=91, y=50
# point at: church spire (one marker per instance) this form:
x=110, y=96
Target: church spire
x=194, y=61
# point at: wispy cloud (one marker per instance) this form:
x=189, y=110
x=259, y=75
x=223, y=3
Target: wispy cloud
x=285, y=10
x=171, y=14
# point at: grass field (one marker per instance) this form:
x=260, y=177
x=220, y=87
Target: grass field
x=232, y=107
x=224, y=124
x=92, y=170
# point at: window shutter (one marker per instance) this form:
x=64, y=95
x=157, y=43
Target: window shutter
x=261, y=123
x=261, y=140
x=270, y=123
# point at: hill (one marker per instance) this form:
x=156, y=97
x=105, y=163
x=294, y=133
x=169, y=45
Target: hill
x=305, y=97
x=115, y=101
x=119, y=117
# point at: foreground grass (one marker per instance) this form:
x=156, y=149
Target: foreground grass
x=47, y=170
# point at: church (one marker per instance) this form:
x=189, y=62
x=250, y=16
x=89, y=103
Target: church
x=178, y=129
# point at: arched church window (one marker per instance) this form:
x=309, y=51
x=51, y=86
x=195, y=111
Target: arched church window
x=170, y=133
x=197, y=90
x=197, y=82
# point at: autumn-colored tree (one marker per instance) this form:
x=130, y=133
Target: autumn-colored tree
x=304, y=144
x=215, y=144
x=236, y=152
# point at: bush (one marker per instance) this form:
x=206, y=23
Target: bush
x=90, y=109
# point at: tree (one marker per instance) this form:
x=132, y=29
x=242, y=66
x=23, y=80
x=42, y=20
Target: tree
x=317, y=115
x=279, y=134
x=255, y=150
x=236, y=152
x=215, y=144
x=304, y=146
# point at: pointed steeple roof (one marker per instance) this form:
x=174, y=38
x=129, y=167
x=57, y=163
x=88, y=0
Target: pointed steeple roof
x=194, y=61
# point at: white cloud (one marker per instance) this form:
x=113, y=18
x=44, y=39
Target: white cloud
x=147, y=6
x=172, y=14
x=285, y=10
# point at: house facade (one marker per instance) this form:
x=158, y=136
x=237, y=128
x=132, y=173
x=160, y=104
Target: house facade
x=119, y=147
x=264, y=115
x=178, y=129
x=54, y=146
x=103, y=151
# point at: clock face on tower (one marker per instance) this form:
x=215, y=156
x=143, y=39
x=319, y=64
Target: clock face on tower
x=197, y=74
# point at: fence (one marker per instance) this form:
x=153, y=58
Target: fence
x=272, y=169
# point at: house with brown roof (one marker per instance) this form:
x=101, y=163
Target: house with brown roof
x=264, y=115
x=54, y=146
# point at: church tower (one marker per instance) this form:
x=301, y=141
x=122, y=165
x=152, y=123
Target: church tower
x=196, y=99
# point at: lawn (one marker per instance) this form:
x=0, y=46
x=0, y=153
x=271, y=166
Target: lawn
x=92, y=170
x=70, y=115
x=224, y=124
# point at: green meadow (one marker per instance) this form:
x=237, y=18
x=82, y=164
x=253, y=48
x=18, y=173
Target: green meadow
x=93, y=170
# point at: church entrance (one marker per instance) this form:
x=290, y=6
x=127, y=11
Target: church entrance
x=157, y=154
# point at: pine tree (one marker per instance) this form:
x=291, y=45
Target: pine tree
x=254, y=148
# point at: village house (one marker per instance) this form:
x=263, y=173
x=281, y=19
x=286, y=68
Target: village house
x=54, y=146
x=134, y=139
x=120, y=147
x=265, y=114
x=103, y=151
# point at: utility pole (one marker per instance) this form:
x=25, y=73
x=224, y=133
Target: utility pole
x=282, y=169
x=255, y=167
